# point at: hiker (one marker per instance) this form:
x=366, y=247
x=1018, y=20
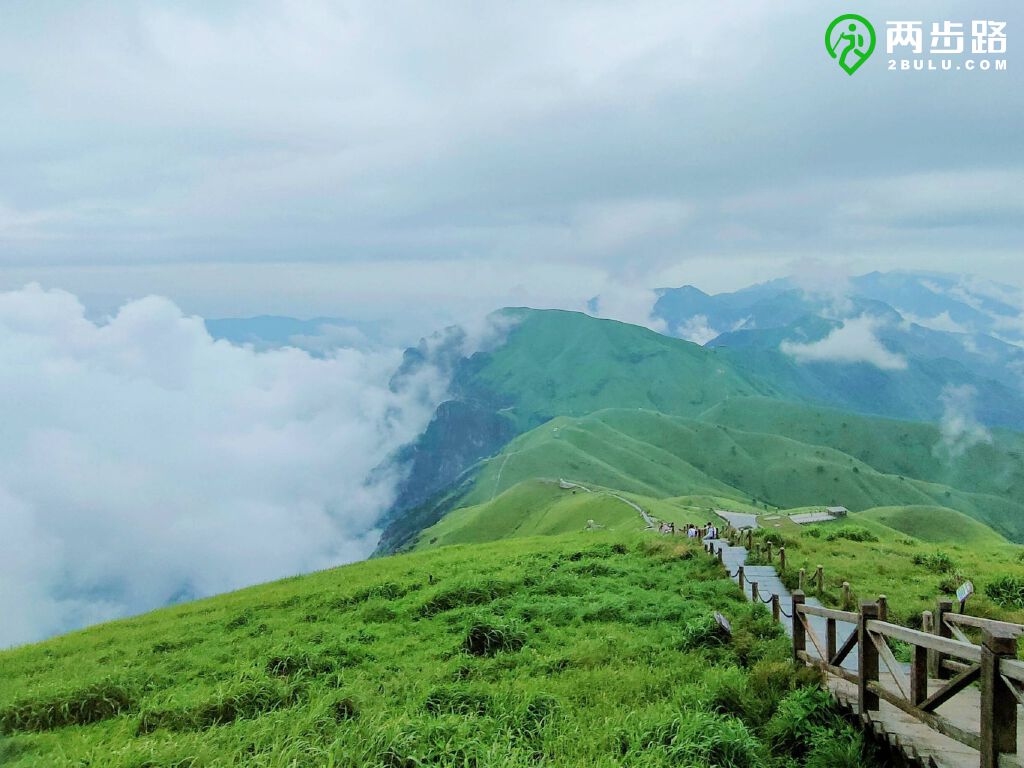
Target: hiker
x=672, y=528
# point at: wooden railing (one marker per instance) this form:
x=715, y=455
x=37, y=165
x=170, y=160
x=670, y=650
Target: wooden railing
x=991, y=665
x=944, y=659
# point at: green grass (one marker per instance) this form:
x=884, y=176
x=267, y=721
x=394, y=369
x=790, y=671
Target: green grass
x=934, y=524
x=660, y=456
x=912, y=572
x=542, y=507
x=558, y=363
x=593, y=649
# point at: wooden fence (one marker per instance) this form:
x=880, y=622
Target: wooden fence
x=944, y=661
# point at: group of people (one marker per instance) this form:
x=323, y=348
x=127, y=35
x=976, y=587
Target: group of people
x=709, y=531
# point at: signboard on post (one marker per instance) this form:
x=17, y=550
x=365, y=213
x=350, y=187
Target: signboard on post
x=966, y=590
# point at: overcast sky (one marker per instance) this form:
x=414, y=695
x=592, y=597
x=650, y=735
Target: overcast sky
x=363, y=158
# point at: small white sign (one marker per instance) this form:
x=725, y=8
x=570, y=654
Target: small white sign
x=965, y=591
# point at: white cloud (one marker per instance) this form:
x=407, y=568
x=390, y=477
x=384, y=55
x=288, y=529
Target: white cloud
x=142, y=461
x=941, y=322
x=696, y=329
x=959, y=428
x=853, y=342
x=630, y=304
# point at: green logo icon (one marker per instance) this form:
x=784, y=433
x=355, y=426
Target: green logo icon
x=850, y=38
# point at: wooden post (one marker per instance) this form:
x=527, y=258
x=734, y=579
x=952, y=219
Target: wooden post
x=928, y=626
x=739, y=577
x=819, y=577
x=803, y=577
x=721, y=557
x=799, y=634
x=867, y=667
x=942, y=630
x=768, y=550
x=998, y=704
x=883, y=608
x=750, y=538
x=782, y=559
x=918, y=674
x=776, y=612
x=846, y=595
x=830, y=640
x=754, y=594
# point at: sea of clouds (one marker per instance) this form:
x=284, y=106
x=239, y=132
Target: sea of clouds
x=143, y=462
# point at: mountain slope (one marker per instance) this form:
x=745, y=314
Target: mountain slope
x=564, y=651
x=552, y=363
x=661, y=456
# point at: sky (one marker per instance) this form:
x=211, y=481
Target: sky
x=410, y=164
x=436, y=160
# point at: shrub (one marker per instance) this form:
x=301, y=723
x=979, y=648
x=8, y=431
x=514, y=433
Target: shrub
x=936, y=562
x=1007, y=591
x=80, y=706
x=702, y=633
x=485, y=639
x=851, y=533
x=798, y=720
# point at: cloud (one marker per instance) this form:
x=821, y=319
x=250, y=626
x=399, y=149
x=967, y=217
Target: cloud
x=941, y=322
x=852, y=342
x=143, y=462
x=628, y=303
x=959, y=428
x=697, y=330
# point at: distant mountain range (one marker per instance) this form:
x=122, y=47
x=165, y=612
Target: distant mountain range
x=883, y=389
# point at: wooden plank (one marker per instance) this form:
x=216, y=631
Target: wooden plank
x=811, y=661
x=890, y=662
x=933, y=721
x=1014, y=687
x=813, y=637
x=1012, y=669
x=848, y=645
x=952, y=688
x=849, y=617
x=957, y=632
x=980, y=623
x=914, y=637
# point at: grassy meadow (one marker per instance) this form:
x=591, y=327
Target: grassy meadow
x=913, y=555
x=596, y=649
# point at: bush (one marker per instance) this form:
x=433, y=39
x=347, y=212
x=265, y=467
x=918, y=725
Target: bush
x=703, y=632
x=797, y=723
x=851, y=533
x=936, y=562
x=1007, y=591
x=81, y=706
x=484, y=639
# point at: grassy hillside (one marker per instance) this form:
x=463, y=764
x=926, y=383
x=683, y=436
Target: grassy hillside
x=552, y=363
x=934, y=524
x=662, y=456
x=557, y=363
x=582, y=650
x=912, y=571
x=542, y=507
x=893, y=446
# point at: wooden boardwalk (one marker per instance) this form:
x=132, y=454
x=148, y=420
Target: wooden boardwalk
x=930, y=719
